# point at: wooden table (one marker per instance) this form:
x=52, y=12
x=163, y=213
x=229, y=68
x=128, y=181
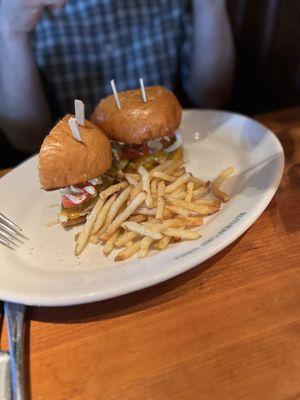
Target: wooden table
x=227, y=329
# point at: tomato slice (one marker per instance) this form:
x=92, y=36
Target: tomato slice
x=171, y=134
x=127, y=154
x=67, y=203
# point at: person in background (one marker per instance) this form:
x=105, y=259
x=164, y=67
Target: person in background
x=53, y=51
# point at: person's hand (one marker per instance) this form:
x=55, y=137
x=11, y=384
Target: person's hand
x=21, y=16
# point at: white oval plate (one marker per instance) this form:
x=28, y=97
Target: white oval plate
x=44, y=270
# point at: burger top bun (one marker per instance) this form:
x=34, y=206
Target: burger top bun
x=63, y=161
x=138, y=121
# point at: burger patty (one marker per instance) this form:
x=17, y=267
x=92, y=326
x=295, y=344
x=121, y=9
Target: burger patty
x=74, y=221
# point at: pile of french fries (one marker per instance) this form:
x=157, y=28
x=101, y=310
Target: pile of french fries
x=150, y=210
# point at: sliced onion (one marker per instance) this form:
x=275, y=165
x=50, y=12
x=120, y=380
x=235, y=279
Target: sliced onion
x=95, y=181
x=174, y=146
x=64, y=190
x=76, y=199
x=74, y=189
x=155, y=144
x=90, y=189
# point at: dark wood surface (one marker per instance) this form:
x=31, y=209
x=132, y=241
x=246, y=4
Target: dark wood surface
x=267, y=38
x=227, y=329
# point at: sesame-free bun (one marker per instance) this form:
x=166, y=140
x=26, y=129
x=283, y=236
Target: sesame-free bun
x=138, y=121
x=63, y=161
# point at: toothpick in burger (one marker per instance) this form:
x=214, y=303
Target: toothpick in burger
x=142, y=132
x=74, y=164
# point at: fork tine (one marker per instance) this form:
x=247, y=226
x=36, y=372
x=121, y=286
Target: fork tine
x=8, y=238
x=9, y=222
x=6, y=243
x=7, y=229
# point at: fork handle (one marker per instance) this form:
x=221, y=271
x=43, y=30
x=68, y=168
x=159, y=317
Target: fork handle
x=14, y=315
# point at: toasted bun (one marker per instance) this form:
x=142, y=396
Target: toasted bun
x=138, y=121
x=64, y=161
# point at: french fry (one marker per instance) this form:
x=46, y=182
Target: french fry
x=179, y=195
x=146, y=185
x=136, y=177
x=131, y=180
x=201, y=190
x=103, y=214
x=113, y=189
x=145, y=244
x=217, y=192
x=208, y=202
x=138, y=218
x=116, y=223
x=153, y=208
x=160, y=200
x=161, y=167
x=158, y=226
x=173, y=167
x=181, y=233
x=109, y=245
x=164, y=176
x=145, y=211
x=179, y=182
x=177, y=210
x=153, y=188
x=181, y=189
x=136, y=190
x=175, y=222
x=193, y=221
x=163, y=243
x=197, y=182
x=189, y=192
x=199, y=209
x=125, y=237
x=176, y=239
x=179, y=172
x=168, y=213
x=141, y=229
x=128, y=244
x=83, y=236
x=117, y=204
x=94, y=239
x=128, y=252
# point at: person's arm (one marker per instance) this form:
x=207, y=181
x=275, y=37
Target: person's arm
x=24, y=112
x=212, y=63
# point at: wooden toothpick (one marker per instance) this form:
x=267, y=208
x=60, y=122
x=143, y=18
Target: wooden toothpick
x=143, y=90
x=79, y=112
x=113, y=85
x=75, y=129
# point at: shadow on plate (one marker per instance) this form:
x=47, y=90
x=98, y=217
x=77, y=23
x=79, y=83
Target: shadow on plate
x=130, y=303
x=256, y=179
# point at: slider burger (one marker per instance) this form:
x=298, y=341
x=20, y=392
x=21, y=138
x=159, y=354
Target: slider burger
x=142, y=132
x=75, y=167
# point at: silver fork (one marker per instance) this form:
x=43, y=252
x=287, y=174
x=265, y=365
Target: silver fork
x=5, y=393
x=9, y=231
x=14, y=316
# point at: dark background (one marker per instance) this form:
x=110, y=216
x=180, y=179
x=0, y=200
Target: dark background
x=267, y=41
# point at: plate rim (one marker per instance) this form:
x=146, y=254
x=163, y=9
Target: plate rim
x=194, y=260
